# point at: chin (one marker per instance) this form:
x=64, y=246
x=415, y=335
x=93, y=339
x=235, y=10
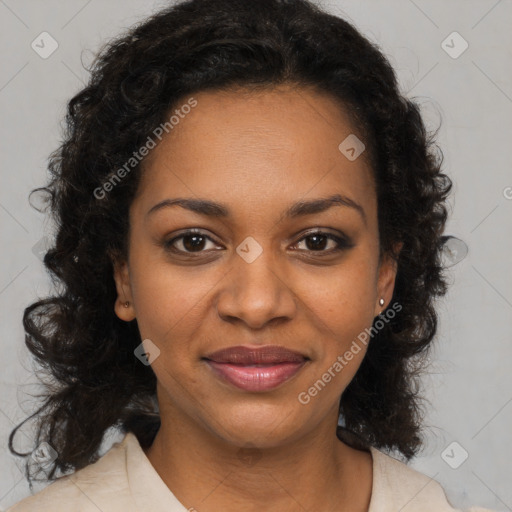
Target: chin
x=263, y=428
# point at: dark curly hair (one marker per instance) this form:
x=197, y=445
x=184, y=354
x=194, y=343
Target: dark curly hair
x=94, y=381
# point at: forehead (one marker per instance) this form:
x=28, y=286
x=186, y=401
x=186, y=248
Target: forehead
x=239, y=145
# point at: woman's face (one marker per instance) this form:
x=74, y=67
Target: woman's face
x=254, y=274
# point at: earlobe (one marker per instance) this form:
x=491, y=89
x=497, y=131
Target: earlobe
x=386, y=280
x=123, y=305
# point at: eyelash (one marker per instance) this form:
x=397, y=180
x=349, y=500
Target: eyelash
x=343, y=243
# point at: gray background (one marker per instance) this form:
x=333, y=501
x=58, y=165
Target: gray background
x=469, y=384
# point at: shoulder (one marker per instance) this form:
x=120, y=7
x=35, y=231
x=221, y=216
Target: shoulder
x=398, y=486
x=92, y=488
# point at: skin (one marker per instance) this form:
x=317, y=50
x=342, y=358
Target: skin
x=257, y=153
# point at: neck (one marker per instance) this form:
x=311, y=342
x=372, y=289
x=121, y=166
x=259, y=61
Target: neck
x=314, y=472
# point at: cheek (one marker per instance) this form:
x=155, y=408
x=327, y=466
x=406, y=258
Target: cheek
x=343, y=297
x=341, y=306
x=169, y=300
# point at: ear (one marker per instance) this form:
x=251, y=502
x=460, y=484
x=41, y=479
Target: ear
x=124, y=291
x=386, y=278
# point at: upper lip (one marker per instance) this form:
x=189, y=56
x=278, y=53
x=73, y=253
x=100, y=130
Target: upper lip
x=266, y=354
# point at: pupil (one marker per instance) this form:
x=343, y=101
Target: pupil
x=315, y=245
x=195, y=245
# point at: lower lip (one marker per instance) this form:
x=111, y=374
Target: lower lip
x=256, y=378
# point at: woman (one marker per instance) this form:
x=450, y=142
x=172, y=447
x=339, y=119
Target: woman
x=250, y=223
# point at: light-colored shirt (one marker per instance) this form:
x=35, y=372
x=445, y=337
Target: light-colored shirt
x=124, y=480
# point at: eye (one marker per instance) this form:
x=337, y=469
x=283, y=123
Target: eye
x=191, y=241
x=318, y=240
x=195, y=241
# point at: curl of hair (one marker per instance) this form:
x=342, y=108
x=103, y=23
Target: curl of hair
x=136, y=81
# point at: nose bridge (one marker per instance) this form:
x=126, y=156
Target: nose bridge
x=256, y=292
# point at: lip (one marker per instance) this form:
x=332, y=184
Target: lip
x=266, y=354
x=256, y=368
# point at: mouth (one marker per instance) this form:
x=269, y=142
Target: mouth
x=256, y=369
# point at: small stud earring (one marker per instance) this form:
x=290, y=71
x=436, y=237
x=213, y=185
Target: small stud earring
x=126, y=304
x=381, y=302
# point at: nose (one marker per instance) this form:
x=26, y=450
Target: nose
x=256, y=293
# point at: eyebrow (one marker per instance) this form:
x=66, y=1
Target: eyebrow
x=301, y=208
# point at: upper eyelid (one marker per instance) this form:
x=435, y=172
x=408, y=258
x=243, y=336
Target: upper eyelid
x=191, y=232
